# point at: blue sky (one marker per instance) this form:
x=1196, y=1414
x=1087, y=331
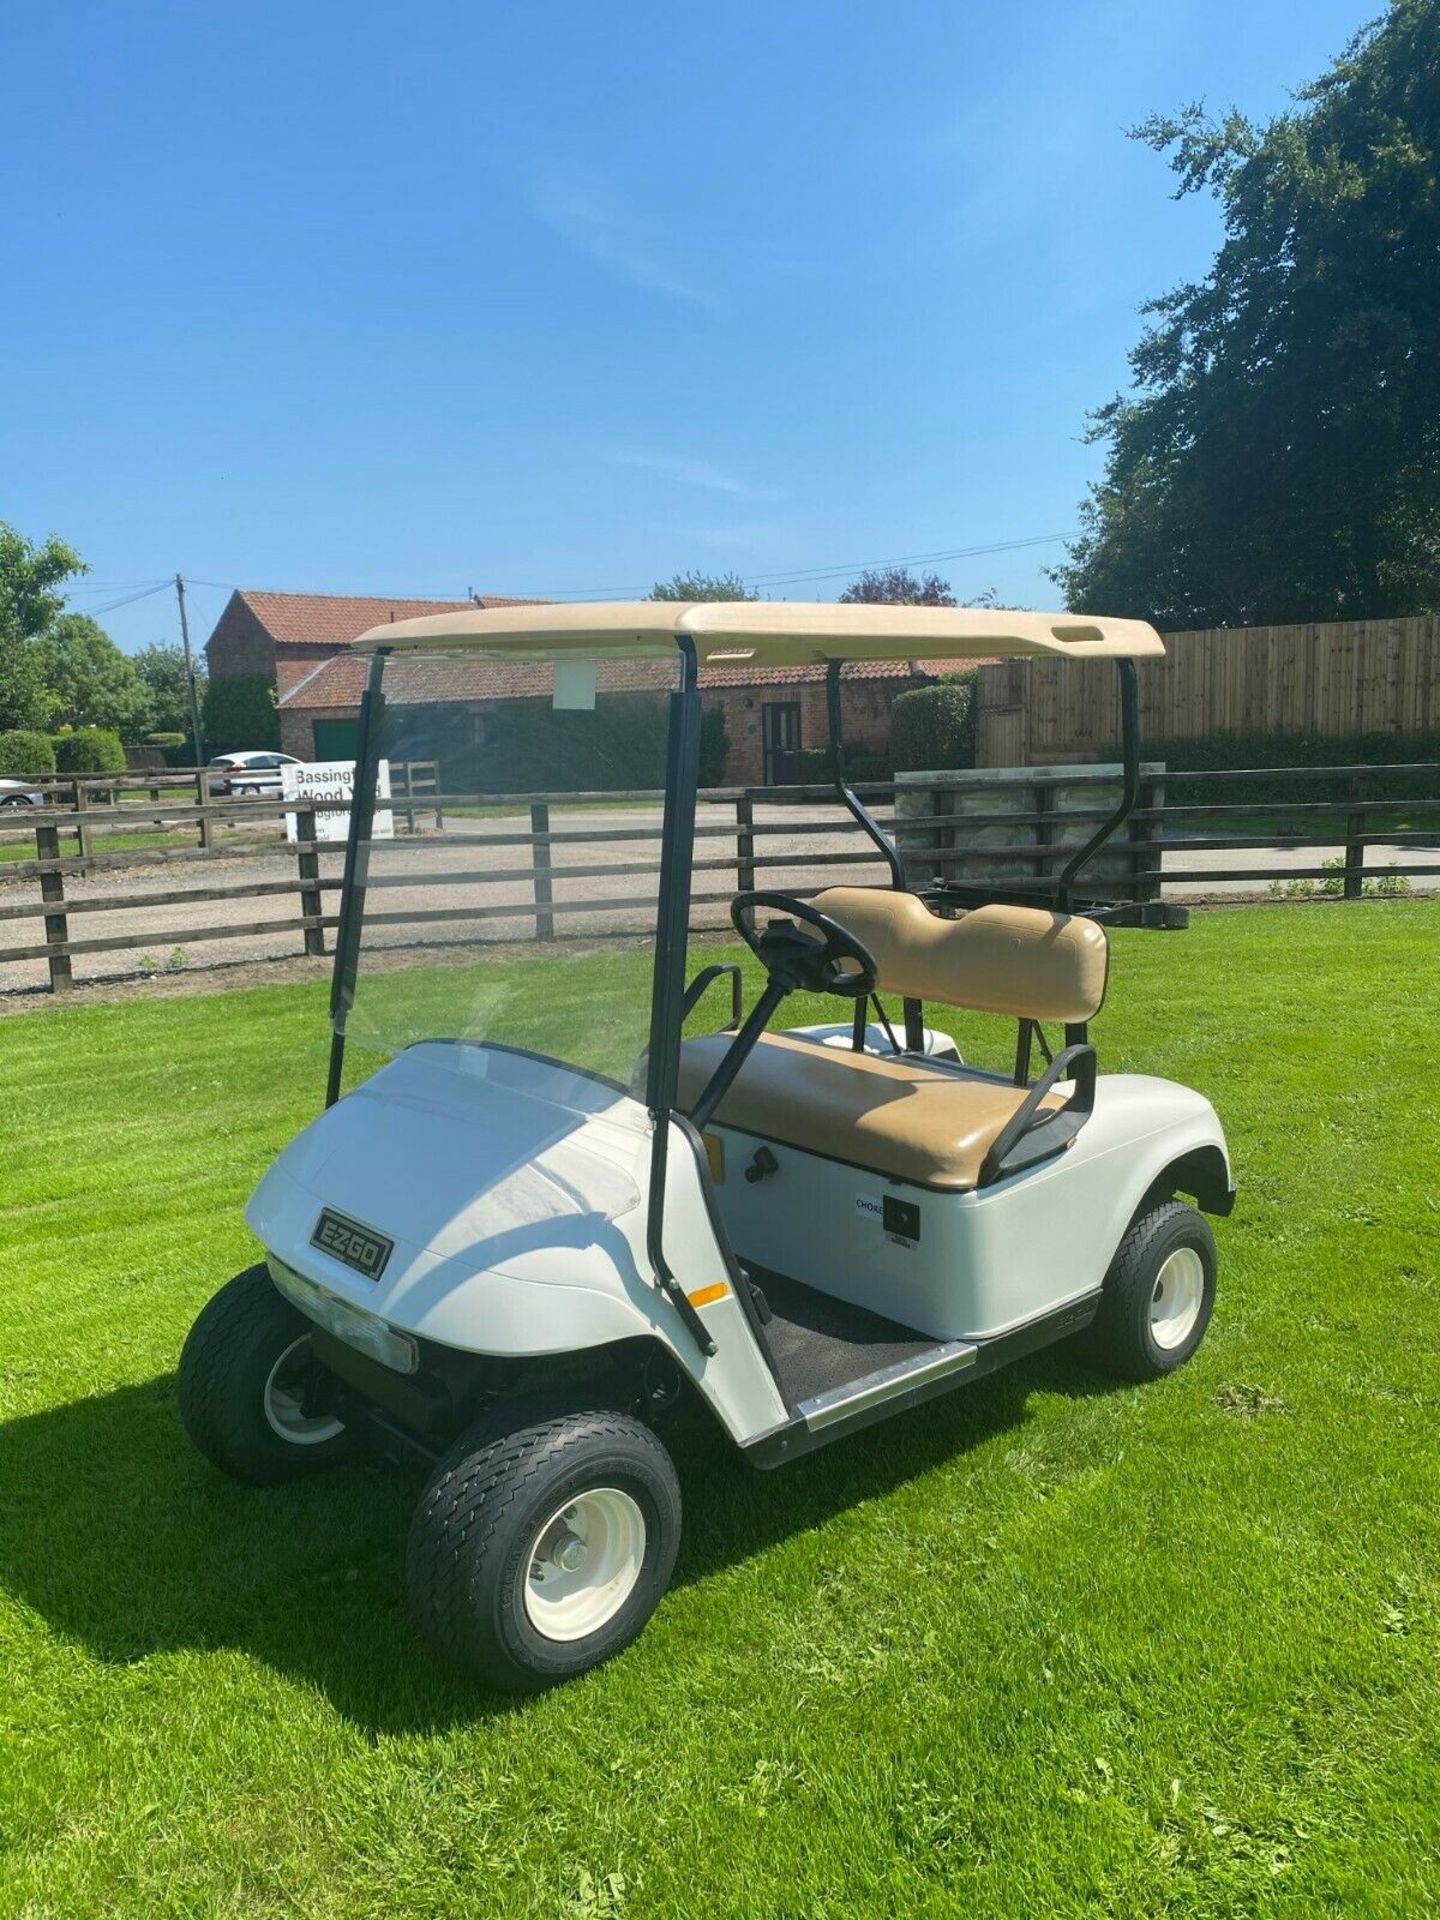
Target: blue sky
x=561, y=298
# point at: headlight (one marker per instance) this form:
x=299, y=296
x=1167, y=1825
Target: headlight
x=366, y=1332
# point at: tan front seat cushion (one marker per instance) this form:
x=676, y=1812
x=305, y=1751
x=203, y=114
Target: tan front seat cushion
x=1022, y=961
x=927, y=1123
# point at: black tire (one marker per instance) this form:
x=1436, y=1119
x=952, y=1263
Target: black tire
x=484, y=1512
x=1122, y=1338
x=240, y=1337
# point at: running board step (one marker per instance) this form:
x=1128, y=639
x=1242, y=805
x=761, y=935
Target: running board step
x=873, y=1389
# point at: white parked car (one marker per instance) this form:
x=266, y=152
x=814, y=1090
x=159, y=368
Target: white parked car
x=15, y=793
x=242, y=773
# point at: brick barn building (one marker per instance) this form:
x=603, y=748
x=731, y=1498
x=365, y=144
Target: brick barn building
x=282, y=636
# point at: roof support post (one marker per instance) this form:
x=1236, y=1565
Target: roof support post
x=848, y=797
x=357, y=861
x=1130, y=755
x=667, y=1000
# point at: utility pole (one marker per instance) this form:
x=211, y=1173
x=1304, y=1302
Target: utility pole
x=190, y=675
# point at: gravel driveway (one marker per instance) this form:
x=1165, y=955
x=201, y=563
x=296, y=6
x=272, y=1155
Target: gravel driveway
x=460, y=870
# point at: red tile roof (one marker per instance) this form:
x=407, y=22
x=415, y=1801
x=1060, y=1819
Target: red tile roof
x=339, y=681
x=335, y=619
x=743, y=676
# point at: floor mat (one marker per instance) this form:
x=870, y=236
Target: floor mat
x=820, y=1342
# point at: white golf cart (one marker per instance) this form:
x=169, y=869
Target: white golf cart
x=551, y=1214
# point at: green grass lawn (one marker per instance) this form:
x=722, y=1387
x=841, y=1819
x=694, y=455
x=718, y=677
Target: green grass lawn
x=1278, y=826
x=102, y=843
x=1047, y=1647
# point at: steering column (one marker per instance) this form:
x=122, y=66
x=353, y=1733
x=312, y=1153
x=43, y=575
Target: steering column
x=794, y=960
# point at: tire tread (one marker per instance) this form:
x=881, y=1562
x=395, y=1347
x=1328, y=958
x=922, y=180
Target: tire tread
x=232, y=1326
x=465, y=1507
x=1114, y=1340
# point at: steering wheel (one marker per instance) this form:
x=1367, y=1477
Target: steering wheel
x=794, y=959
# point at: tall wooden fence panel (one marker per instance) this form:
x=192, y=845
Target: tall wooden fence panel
x=1335, y=678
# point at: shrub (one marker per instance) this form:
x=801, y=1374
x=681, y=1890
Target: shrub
x=934, y=726
x=864, y=766
x=25, y=755
x=175, y=749
x=528, y=746
x=239, y=714
x=1385, y=885
x=89, y=750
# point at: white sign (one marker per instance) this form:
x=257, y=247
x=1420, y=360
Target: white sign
x=321, y=783
x=575, y=684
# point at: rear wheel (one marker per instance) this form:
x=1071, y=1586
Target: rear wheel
x=536, y=1555
x=250, y=1392
x=1158, y=1295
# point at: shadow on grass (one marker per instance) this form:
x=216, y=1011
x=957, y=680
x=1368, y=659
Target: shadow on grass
x=121, y=1537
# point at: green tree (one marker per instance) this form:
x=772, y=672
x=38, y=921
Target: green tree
x=702, y=586
x=30, y=577
x=162, y=668
x=1279, y=459
x=898, y=587
x=89, y=681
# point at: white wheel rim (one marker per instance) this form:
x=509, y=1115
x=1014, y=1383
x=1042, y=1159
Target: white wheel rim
x=584, y=1564
x=1176, y=1298
x=285, y=1403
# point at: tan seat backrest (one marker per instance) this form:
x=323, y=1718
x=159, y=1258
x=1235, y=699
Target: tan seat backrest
x=1023, y=961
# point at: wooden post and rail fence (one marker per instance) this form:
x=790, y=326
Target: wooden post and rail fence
x=1008, y=826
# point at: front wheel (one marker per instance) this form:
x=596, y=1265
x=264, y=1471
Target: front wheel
x=1158, y=1295
x=538, y=1554
x=251, y=1395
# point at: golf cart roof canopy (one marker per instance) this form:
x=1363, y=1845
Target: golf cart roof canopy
x=771, y=633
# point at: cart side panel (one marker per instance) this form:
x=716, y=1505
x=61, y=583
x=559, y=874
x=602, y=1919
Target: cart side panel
x=972, y=1265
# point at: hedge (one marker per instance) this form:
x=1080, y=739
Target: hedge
x=89, y=750
x=529, y=746
x=239, y=715
x=934, y=726
x=864, y=766
x=1218, y=752
x=25, y=755
x=176, y=749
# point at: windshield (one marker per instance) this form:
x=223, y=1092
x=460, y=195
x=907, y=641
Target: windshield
x=511, y=879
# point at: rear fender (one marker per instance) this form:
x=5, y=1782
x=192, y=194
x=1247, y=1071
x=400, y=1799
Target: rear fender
x=1187, y=1157
x=1204, y=1175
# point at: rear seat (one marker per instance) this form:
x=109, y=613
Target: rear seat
x=920, y=1120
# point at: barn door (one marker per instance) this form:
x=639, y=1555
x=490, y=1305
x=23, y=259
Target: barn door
x=780, y=737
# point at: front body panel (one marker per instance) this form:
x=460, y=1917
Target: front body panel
x=511, y=1193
